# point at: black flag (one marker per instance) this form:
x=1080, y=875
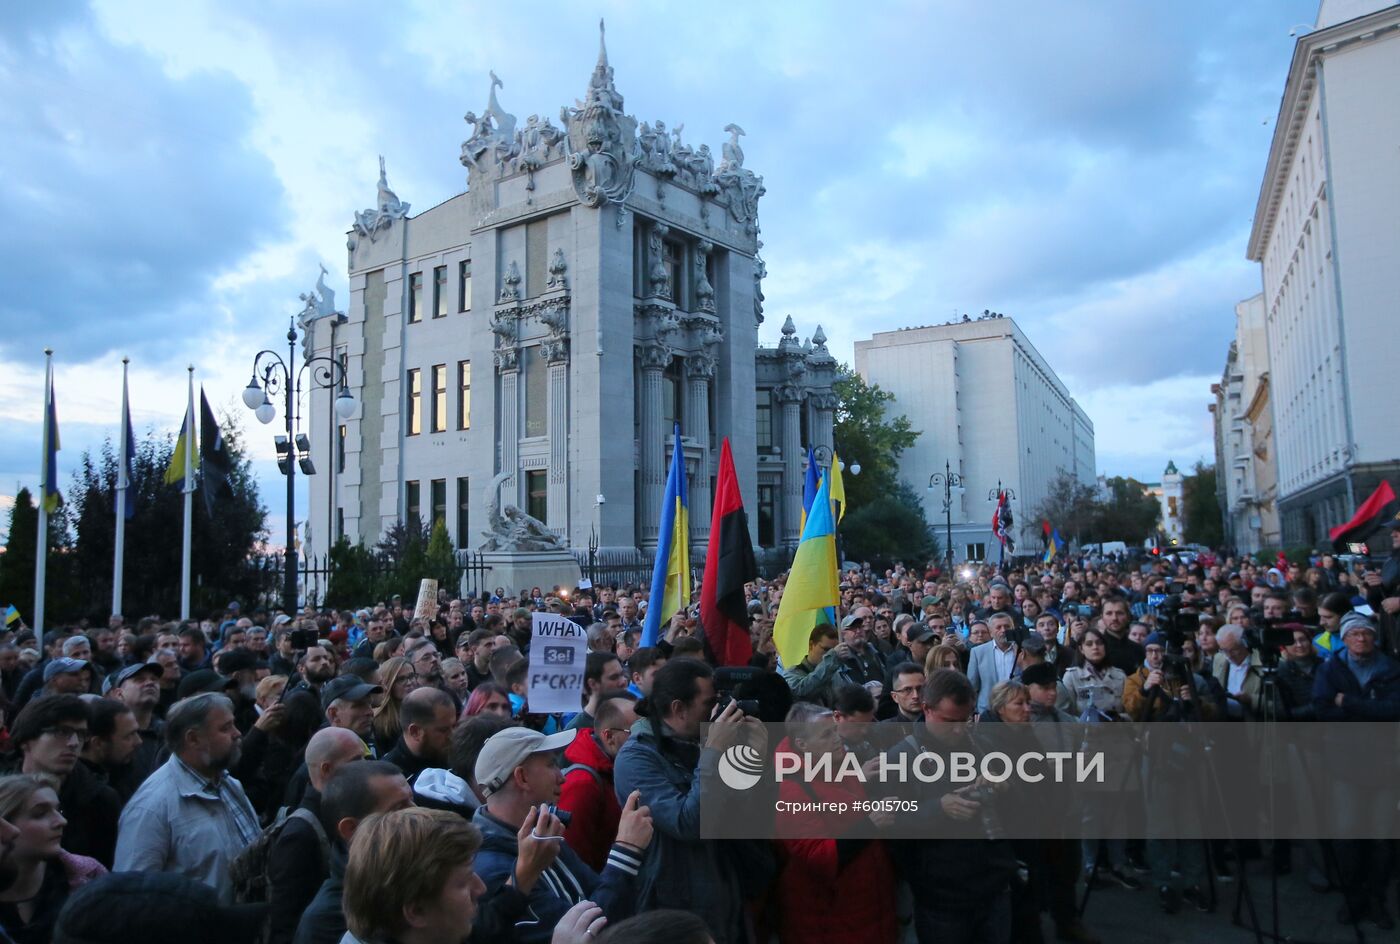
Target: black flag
x=215, y=463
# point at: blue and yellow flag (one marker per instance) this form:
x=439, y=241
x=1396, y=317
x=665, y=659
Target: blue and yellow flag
x=809, y=487
x=811, y=584
x=51, y=497
x=11, y=615
x=1055, y=546
x=670, y=577
x=188, y=441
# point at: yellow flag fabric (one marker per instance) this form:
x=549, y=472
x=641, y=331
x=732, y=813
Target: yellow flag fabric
x=811, y=584
x=175, y=473
x=838, y=488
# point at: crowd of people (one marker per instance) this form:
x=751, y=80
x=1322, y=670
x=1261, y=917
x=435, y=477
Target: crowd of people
x=374, y=776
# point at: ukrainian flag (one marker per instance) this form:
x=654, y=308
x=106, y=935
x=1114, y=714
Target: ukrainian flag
x=811, y=585
x=1056, y=546
x=51, y=497
x=670, y=578
x=175, y=474
x=11, y=615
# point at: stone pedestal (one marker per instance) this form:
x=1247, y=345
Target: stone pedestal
x=518, y=571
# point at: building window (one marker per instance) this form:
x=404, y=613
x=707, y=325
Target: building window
x=463, y=522
x=976, y=552
x=439, y=398
x=340, y=450
x=440, y=292
x=537, y=494
x=415, y=401
x=438, y=492
x=464, y=285
x=536, y=257
x=464, y=394
x=412, y=506
x=536, y=392
x=767, y=516
x=339, y=523
x=763, y=422
x=415, y=298
x=672, y=395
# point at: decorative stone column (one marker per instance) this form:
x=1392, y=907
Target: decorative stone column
x=655, y=356
x=790, y=396
x=505, y=323
x=555, y=351
x=823, y=416
x=700, y=372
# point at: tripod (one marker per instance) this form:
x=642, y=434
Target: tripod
x=1244, y=898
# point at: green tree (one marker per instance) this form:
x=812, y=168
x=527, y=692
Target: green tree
x=222, y=541
x=1070, y=506
x=17, y=564
x=866, y=436
x=1127, y=514
x=441, y=560
x=1203, y=522
x=890, y=529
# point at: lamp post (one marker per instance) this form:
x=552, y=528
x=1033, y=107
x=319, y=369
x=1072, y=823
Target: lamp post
x=271, y=375
x=823, y=454
x=949, y=480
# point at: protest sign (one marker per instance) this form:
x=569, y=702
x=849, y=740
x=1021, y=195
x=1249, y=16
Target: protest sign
x=427, y=599
x=558, y=651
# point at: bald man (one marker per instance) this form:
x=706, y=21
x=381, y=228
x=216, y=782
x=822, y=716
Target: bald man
x=298, y=861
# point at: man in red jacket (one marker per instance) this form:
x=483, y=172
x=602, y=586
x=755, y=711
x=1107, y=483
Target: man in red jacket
x=587, y=793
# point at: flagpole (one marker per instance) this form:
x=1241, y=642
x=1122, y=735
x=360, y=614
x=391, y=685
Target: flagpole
x=123, y=483
x=189, y=502
x=41, y=544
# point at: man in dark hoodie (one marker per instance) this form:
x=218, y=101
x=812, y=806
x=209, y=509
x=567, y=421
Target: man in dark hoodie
x=518, y=770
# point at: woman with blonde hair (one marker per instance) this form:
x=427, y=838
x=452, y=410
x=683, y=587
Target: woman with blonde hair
x=398, y=678
x=943, y=657
x=45, y=875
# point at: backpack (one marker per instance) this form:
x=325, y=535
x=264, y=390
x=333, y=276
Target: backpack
x=248, y=871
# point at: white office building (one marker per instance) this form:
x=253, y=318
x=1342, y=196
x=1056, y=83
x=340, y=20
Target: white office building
x=1326, y=236
x=990, y=409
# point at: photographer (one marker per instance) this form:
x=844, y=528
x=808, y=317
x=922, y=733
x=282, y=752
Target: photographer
x=1165, y=689
x=813, y=678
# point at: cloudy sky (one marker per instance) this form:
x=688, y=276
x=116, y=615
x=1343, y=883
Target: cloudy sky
x=172, y=174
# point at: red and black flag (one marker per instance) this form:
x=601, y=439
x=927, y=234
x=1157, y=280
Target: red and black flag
x=1376, y=512
x=1002, y=522
x=729, y=564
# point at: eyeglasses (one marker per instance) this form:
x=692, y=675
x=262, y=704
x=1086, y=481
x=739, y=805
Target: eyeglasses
x=905, y=690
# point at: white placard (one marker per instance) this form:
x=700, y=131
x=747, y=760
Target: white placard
x=427, y=599
x=558, y=650
x=585, y=584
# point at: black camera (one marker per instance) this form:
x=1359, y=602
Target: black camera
x=302, y=638
x=564, y=816
x=728, y=680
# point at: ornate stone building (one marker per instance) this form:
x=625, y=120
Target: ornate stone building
x=598, y=281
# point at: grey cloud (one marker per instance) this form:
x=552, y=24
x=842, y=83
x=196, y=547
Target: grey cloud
x=132, y=190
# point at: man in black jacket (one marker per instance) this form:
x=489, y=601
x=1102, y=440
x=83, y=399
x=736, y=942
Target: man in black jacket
x=963, y=877
x=427, y=716
x=298, y=860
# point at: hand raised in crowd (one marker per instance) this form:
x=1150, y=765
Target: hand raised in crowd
x=1154, y=679
x=538, y=842
x=843, y=651
x=634, y=828
x=731, y=726
x=1373, y=578
x=1391, y=605
x=271, y=718
x=580, y=924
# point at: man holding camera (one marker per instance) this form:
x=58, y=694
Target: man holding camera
x=813, y=678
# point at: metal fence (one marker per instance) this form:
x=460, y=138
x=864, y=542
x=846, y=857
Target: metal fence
x=617, y=567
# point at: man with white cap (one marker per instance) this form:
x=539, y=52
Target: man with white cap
x=518, y=771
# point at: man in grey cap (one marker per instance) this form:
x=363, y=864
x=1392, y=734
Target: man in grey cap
x=65, y=676
x=345, y=700
x=138, y=688
x=1360, y=683
x=864, y=665
x=518, y=770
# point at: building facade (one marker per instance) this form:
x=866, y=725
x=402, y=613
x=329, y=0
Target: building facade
x=989, y=407
x=1325, y=237
x=1246, y=486
x=1170, y=497
x=533, y=340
